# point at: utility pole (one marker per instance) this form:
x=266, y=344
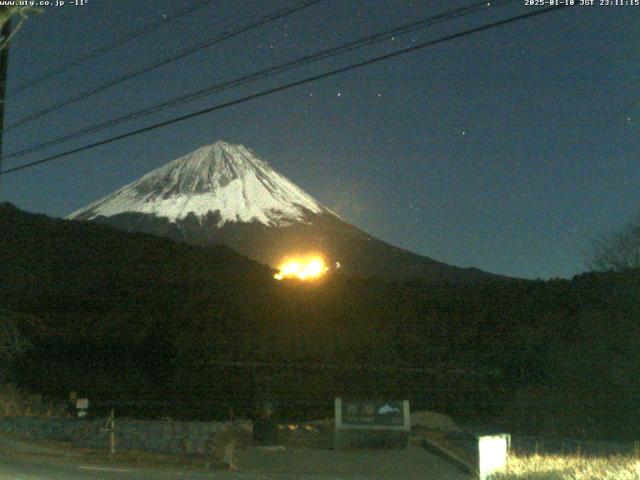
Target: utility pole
x=4, y=64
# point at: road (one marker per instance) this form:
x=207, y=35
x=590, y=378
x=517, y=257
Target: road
x=255, y=464
x=12, y=468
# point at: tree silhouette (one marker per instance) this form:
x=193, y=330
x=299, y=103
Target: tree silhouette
x=618, y=252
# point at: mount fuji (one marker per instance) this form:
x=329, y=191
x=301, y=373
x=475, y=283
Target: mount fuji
x=225, y=194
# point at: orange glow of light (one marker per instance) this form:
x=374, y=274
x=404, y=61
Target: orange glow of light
x=307, y=268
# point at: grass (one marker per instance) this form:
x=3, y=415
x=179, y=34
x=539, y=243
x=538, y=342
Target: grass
x=556, y=467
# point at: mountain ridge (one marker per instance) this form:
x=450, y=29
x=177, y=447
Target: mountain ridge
x=225, y=194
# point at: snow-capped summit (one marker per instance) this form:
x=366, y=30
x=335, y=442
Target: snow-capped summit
x=227, y=180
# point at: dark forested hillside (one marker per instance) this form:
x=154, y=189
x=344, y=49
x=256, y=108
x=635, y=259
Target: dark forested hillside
x=134, y=317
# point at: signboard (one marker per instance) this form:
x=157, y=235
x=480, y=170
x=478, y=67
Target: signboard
x=82, y=405
x=372, y=413
x=372, y=423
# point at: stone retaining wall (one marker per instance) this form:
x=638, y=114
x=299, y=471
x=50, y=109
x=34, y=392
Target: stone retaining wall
x=173, y=437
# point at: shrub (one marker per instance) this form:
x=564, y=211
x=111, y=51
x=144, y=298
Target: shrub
x=16, y=403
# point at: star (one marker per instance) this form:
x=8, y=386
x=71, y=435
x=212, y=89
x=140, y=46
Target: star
x=339, y=94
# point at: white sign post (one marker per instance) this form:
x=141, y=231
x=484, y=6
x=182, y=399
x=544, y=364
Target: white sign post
x=493, y=451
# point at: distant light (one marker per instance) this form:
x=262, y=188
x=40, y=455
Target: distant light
x=306, y=268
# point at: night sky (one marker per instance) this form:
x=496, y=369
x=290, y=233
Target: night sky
x=508, y=150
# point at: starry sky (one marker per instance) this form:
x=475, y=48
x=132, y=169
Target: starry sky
x=507, y=150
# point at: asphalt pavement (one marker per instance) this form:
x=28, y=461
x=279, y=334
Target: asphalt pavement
x=22, y=460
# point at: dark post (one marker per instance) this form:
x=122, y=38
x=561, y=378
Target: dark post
x=4, y=64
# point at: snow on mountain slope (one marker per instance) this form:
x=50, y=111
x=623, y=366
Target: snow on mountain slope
x=225, y=178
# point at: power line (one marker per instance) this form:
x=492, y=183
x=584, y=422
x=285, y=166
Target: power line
x=198, y=4
x=165, y=61
x=287, y=86
x=262, y=74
